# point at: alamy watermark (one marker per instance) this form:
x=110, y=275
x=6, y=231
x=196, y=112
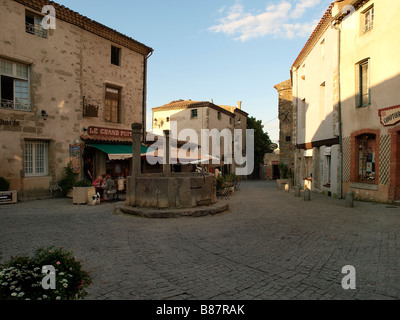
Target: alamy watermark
x=49, y=21
x=349, y=281
x=49, y=280
x=211, y=142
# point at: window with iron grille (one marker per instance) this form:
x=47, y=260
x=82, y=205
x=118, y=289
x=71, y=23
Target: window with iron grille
x=33, y=25
x=14, y=85
x=36, y=159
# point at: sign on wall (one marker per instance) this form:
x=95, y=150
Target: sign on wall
x=390, y=116
x=75, y=156
x=117, y=133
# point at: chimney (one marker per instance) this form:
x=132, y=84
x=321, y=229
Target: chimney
x=240, y=105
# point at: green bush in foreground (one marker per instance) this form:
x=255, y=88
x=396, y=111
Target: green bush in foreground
x=21, y=277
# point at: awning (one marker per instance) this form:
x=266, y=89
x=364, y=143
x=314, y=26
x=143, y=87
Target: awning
x=187, y=157
x=117, y=151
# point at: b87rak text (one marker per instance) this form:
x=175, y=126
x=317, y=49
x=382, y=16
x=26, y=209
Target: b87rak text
x=220, y=309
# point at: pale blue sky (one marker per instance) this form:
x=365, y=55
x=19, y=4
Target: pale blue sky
x=225, y=50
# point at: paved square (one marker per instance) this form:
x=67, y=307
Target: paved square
x=270, y=245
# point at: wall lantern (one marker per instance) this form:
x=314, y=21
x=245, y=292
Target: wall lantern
x=44, y=115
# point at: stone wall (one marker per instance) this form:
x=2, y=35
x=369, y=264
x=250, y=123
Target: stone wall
x=69, y=64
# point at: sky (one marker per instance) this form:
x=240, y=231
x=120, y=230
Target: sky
x=221, y=50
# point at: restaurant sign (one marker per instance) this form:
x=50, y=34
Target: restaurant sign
x=390, y=116
x=106, y=132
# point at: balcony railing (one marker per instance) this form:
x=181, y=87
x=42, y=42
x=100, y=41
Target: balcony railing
x=36, y=30
x=15, y=105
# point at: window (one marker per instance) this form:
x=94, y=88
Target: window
x=167, y=119
x=366, y=158
x=368, y=19
x=288, y=138
x=193, y=114
x=36, y=158
x=328, y=167
x=115, y=56
x=303, y=113
x=363, y=87
x=219, y=115
x=33, y=25
x=112, y=104
x=14, y=85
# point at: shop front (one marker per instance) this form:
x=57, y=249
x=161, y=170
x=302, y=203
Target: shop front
x=107, y=151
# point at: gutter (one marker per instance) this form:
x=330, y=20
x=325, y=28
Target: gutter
x=340, y=113
x=144, y=106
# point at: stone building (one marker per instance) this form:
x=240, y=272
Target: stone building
x=286, y=134
x=68, y=93
x=198, y=115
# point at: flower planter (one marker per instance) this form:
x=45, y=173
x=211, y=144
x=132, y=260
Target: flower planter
x=80, y=194
x=8, y=197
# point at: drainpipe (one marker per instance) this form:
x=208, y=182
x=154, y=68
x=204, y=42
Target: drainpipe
x=340, y=114
x=145, y=95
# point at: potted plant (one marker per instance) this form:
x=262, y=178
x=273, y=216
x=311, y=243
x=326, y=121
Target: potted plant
x=81, y=191
x=68, y=180
x=7, y=196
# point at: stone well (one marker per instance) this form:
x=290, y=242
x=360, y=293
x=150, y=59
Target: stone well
x=168, y=194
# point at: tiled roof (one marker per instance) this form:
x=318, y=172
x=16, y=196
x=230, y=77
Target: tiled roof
x=185, y=104
x=72, y=17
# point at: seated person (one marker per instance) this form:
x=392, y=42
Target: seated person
x=109, y=188
x=99, y=184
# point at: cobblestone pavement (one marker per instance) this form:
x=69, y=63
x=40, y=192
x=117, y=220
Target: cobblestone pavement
x=269, y=246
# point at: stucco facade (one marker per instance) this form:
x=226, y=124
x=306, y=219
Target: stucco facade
x=351, y=60
x=315, y=100
x=66, y=71
x=371, y=49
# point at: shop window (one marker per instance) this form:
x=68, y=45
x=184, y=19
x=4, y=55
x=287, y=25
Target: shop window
x=115, y=56
x=14, y=85
x=366, y=158
x=112, y=104
x=36, y=159
x=363, y=85
x=33, y=25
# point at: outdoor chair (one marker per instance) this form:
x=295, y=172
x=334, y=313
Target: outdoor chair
x=54, y=186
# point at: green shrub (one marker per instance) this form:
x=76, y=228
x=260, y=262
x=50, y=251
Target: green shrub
x=83, y=183
x=220, y=181
x=4, y=184
x=21, y=277
x=284, y=170
x=68, y=180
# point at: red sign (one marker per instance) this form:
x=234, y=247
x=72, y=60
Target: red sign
x=390, y=116
x=106, y=132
